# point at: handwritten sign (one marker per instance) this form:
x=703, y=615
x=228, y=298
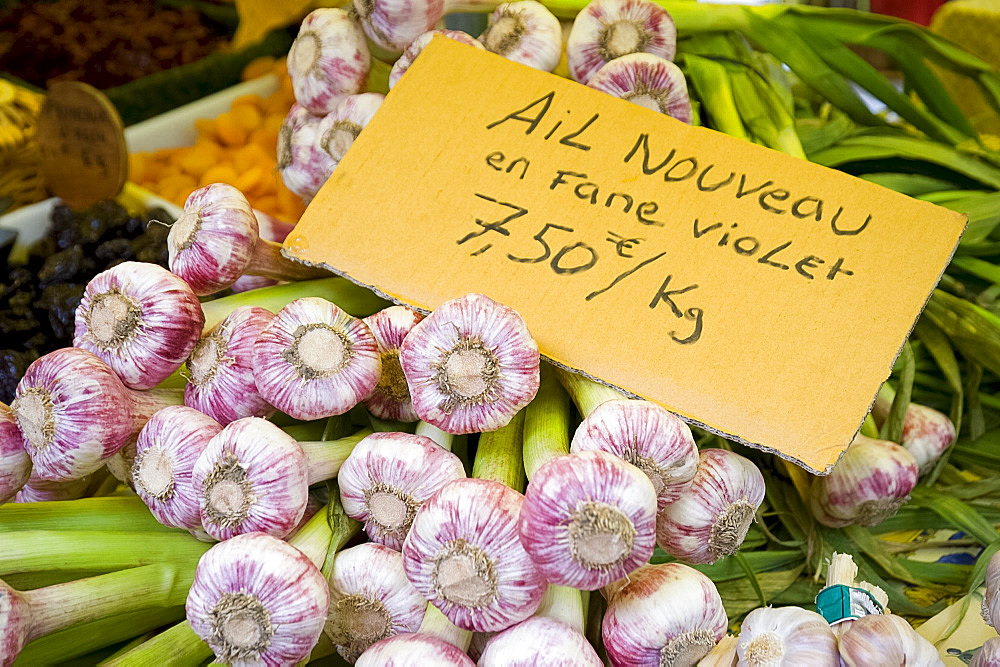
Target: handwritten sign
x=755, y=294
x=82, y=144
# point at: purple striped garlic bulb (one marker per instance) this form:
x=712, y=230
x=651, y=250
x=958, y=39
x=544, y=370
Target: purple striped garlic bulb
x=464, y=555
x=646, y=80
x=414, y=650
x=165, y=453
x=74, y=413
x=885, y=639
x=588, y=519
x=471, y=365
x=270, y=229
x=391, y=397
x=609, y=29
x=328, y=60
x=40, y=490
x=220, y=368
x=647, y=436
x=668, y=614
x=991, y=599
x=257, y=600
x=417, y=46
x=370, y=599
x=314, y=360
x=872, y=480
x=15, y=464
x=141, y=320
x=988, y=655
x=339, y=128
x=392, y=25
x=711, y=520
x=786, y=636
x=303, y=163
x=927, y=433
x=388, y=477
x=525, y=32
x=539, y=641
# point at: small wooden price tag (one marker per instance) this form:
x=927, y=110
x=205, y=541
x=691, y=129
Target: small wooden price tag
x=82, y=142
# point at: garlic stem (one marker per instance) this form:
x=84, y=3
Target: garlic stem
x=178, y=644
x=842, y=570
x=92, y=514
x=326, y=456
x=563, y=604
x=586, y=393
x=314, y=538
x=442, y=438
x=499, y=457
x=268, y=261
x=437, y=625
x=723, y=655
x=546, y=423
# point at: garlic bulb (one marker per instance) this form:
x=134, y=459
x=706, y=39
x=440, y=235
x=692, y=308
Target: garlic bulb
x=646, y=80
x=471, y=365
x=328, y=60
x=74, y=413
x=314, y=360
x=773, y=637
x=609, y=29
x=370, y=599
x=885, y=639
x=988, y=655
x=303, y=163
x=647, y=436
x=339, y=128
x=388, y=477
x=539, y=641
x=463, y=554
x=991, y=598
x=711, y=520
x=927, y=433
x=392, y=25
x=141, y=320
x=413, y=650
x=257, y=600
x=391, y=397
x=417, y=46
x=870, y=482
x=667, y=614
x=15, y=464
x=40, y=490
x=588, y=519
x=166, y=451
x=220, y=368
x=525, y=32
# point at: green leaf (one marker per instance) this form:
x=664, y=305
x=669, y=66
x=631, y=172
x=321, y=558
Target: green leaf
x=740, y=596
x=870, y=546
x=711, y=84
x=978, y=575
x=908, y=184
x=892, y=429
x=751, y=577
x=974, y=330
x=958, y=513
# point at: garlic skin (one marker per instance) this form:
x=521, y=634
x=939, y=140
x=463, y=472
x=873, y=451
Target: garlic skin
x=39, y=490
x=141, y=320
x=723, y=655
x=392, y=25
x=370, y=599
x=314, y=360
x=647, y=436
x=391, y=397
x=212, y=242
x=885, y=639
x=525, y=32
x=869, y=484
x=588, y=519
x=609, y=29
x=991, y=598
x=220, y=368
x=773, y=637
x=74, y=413
x=15, y=464
x=339, y=128
x=646, y=80
x=463, y=554
x=711, y=520
x=165, y=453
x=328, y=60
x=988, y=655
x=668, y=614
x=417, y=46
x=388, y=477
x=539, y=641
x=257, y=600
x=471, y=365
x=413, y=650
x=927, y=433
x=303, y=164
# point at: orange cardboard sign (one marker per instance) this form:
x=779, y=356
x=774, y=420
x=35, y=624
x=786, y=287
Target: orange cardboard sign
x=753, y=293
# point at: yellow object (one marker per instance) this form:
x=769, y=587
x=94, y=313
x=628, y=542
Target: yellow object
x=21, y=181
x=975, y=26
x=239, y=148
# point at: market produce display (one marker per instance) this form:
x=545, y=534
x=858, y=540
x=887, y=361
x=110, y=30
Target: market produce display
x=308, y=472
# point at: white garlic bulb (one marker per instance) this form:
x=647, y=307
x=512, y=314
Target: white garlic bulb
x=988, y=655
x=991, y=599
x=885, y=639
x=786, y=636
x=525, y=32
x=539, y=641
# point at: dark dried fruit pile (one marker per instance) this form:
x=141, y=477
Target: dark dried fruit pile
x=38, y=300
